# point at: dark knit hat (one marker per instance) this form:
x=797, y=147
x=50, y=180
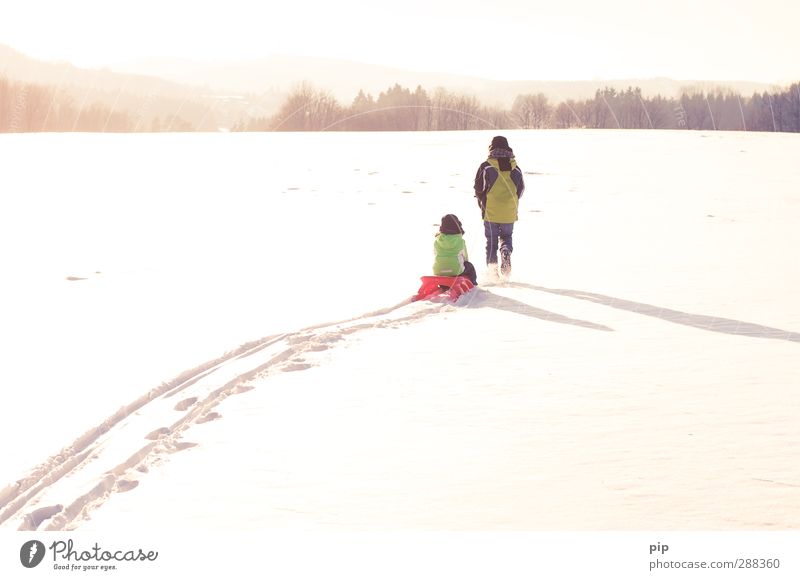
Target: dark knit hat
x=499, y=142
x=451, y=225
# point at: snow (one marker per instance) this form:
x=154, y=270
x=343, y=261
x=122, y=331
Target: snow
x=239, y=352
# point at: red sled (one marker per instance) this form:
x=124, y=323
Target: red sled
x=454, y=286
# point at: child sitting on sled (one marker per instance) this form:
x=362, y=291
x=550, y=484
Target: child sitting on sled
x=450, y=251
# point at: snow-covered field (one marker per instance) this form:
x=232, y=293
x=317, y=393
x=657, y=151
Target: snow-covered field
x=213, y=331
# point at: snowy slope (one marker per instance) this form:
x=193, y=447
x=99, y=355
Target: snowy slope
x=241, y=353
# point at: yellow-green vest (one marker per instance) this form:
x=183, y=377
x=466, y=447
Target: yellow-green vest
x=502, y=202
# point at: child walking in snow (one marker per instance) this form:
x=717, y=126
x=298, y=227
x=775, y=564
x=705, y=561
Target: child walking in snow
x=498, y=187
x=450, y=250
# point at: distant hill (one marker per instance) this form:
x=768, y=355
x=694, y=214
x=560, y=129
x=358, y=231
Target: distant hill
x=20, y=67
x=144, y=95
x=216, y=95
x=345, y=78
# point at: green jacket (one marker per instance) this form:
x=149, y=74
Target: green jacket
x=450, y=252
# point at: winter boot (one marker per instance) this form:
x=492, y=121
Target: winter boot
x=505, y=262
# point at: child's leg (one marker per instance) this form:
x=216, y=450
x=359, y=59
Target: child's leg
x=506, y=247
x=505, y=232
x=492, y=232
x=469, y=272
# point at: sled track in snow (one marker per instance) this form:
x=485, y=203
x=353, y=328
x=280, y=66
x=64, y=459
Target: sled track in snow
x=116, y=453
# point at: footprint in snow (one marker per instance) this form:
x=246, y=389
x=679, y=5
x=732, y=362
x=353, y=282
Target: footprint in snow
x=213, y=416
x=124, y=485
x=36, y=517
x=185, y=404
x=157, y=434
x=298, y=366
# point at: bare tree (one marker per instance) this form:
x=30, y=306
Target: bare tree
x=533, y=111
x=566, y=116
x=307, y=109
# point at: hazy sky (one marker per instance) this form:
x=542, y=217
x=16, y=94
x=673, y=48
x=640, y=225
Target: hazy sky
x=515, y=39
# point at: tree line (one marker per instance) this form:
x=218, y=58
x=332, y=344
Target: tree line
x=400, y=109
x=396, y=109
x=26, y=107
x=30, y=107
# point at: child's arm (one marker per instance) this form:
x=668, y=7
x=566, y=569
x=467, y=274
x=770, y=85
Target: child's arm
x=519, y=181
x=481, y=186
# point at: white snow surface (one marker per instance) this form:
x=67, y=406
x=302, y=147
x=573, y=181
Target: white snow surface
x=214, y=331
